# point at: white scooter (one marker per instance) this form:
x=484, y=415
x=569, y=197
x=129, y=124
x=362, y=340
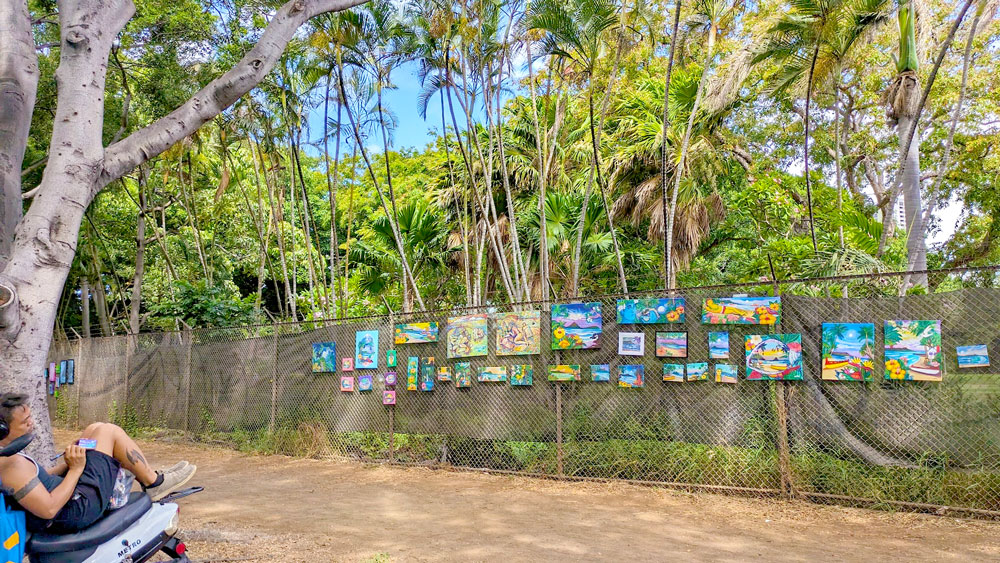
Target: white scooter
x=131, y=534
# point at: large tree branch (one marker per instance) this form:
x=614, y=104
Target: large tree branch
x=213, y=99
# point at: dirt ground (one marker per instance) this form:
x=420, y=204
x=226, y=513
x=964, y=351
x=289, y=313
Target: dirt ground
x=275, y=508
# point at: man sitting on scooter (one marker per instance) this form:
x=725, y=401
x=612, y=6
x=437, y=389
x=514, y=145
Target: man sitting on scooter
x=75, y=492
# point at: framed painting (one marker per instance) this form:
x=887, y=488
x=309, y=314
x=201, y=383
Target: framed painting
x=774, y=357
x=630, y=375
x=324, y=357
x=913, y=350
x=467, y=336
x=848, y=351
x=631, y=344
x=519, y=333
x=671, y=344
x=366, y=349
x=415, y=333
x=650, y=311
x=576, y=326
x=741, y=311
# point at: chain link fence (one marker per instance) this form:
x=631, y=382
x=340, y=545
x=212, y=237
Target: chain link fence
x=908, y=445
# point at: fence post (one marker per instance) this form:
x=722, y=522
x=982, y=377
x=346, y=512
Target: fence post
x=781, y=411
x=274, y=381
x=188, y=338
x=79, y=356
x=559, y=429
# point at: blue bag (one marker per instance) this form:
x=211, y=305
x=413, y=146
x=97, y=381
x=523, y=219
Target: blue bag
x=13, y=534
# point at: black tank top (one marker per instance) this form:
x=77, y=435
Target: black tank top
x=50, y=482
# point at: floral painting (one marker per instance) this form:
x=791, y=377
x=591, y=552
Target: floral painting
x=467, y=336
x=576, y=326
x=519, y=333
x=725, y=373
x=412, y=373
x=718, y=345
x=415, y=333
x=444, y=373
x=650, y=311
x=673, y=372
x=324, y=358
x=974, y=356
x=697, y=371
x=366, y=349
x=463, y=375
x=671, y=344
x=521, y=375
x=493, y=374
x=630, y=375
x=913, y=350
x=774, y=357
x=848, y=351
x=600, y=372
x=564, y=372
x=741, y=311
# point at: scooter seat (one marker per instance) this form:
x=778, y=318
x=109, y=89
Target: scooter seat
x=109, y=526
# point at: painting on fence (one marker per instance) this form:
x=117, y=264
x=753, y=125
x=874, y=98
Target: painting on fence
x=519, y=333
x=774, y=357
x=630, y=375
x=697, y=371
x=389, y=397
x=718, y=345
x=725, y=373
x=650, y=311
x=324, y=358
x=63, y=369
x=975, y=356
x=364, y=383
x=741, y=311
x=366, y=349
x=913, y=350
x=564, y=372
x=600, y=372
x=576, y=326
x=493, y=374
x=347, y=383
x=467, y=336
x=463, y=375
x=71, y=376
x=390, y=358
x=444, y=374
x=631, y=344
x=671, y=344
x=390, y=379
x=412, y=372
x=673, y=372
x=347, y=364
x=848, y=351
x=428, y=372
x=521, y=375
x=415, y=333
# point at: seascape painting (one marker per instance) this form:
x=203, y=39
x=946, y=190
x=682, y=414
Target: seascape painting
x=697, y=371
x=671, y=344
x=564, y=372
x=725, y=373
x=718, y=345
x=600, y=373
x=415, y=333
x=913, y=350
x=774, y=357
x=741, y=311
x=631, y=344
x=493, y=374
x=673, y=372
x=848, y=351
x=630, y=375
x=975, y=356
x=576, y=326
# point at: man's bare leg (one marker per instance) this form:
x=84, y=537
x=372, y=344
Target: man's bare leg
x=115, y=442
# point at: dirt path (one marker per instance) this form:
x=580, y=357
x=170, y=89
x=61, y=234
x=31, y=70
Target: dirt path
x=273, y=508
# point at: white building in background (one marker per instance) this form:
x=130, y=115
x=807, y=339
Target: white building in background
x=900, y=214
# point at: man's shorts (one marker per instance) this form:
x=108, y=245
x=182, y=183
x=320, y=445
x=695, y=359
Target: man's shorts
x=92, y=494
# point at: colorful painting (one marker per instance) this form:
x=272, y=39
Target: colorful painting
x=390, y=358
x=774, y=357
x=974, y=356
x=412, y=373
x=673, y=372
x=364, y=383
x=52, y=372
x=63, y=370
x=71, y=376
x=718, y=345
x=428, y=372
x=52, y=388
x=631, y=344
x=671, y=344
x=389, y=397
x=463, y=374
x=725, y=373
x=444, y=374
x=493, y=374
x=467, y=336
x=347, y=364
x=848, y=351
x=519, y=334
x=415, y=333
x=650, y=311
x=913, y=350
x=521, y=375
x=576, y=326
x=324, y=358
x=630, y=375
x=347, y=383
x=390, y=379
x=742, y=311
x=600, y=372
x=697, y=371
x=564, y=372
x=366, y=349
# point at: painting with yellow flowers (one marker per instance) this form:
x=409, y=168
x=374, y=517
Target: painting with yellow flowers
x=650, y=311
x=848, y=351
x=741, y=311
x=576, y=326
x=913, y=350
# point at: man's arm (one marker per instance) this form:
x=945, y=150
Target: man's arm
x=22, y=484
x=60, y=467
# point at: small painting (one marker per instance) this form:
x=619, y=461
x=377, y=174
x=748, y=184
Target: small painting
x=848, y=351
x=63, y=369
x=71, y=376
x=913, y=350
x=415, y=333
x=444, y=374
x=725, y=373
x=774, y=357
x=389, y=397
x=650, y=311
x=741, y=311
x=630, y=375
x=52, y=388
x=974, y=356
x=493, y=374
x=564, y=372
x=463, y=375
x=390, y=379
x=671, y=344
x=52, y=372
x=718, y=345
x=467, y=336
x=366, y=349
x=519, y=334
x=428, y=372
x=576, y=326
x=697, y=371
x=600, y=372
x=521, y=375
x=673, y=372
x=324, y=359
x=364, y=383
x=412, y=372
x=390, y=358
x=347, y=364
x=347, y=383
x=631, y=344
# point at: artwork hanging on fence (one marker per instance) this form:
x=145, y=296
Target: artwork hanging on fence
x=493, y=374
x=324, y=358
x=347, y=364
x=347, y=383
x=415, y=333
x=463, y=375
x=697, y=371
x=364, y=383
x=389, y=397
x=630, y=375
x=366, y=349
x=774, y=357
x=974, y=356
x=671, y=344
x=725, y=373
x=467, y=336
x=428, y=372
x=848, y=351
x=519, y=334
x=718, y=345
x=741, y=311
x=522, y=375
x=52, y=388
x=673, y=372
x=913, y=350
x=650, y=311
x=600, y=372
x=564, y=372
x=390, y=358
x=63, y=369
x=52, y=372
x=576, y=326
x=390, y=379
x=631, y=344
x=71, y=376
x=444, y=373
x=412, y=372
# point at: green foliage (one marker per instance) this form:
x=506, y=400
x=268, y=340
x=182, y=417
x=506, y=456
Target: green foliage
x=200, y=304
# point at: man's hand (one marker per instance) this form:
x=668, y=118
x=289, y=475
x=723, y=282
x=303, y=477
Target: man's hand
x=76, y=457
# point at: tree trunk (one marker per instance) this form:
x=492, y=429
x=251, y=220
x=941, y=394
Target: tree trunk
x=331, y=187
x=135, y=303
x=805, y=151
x=85, y=305
x=916, y=247
x=667, y=283
x=543, y=244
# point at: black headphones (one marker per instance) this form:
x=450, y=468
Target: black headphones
x=4, y=429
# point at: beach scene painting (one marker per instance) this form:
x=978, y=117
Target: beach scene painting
x=463, y=375
x=741, y=311
x=630, y=375
x=718, y=345
x=519, y=334
x=493, y=374
x=521, y=375
x=467, y=336
x=631, y=344
x=366, y=349
x=444, y=373
x=974, y=356
x=324, y=358
x=671, y=344
x=412, y=373
x=564, y=372
x=848, y=351
x=725, y=373
x=913, y=350
x=576, y=326
x=600, y=373
x=650, y=311
x=774, y=357
x=673, y=372
x=697, y=371
x=415, y=333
